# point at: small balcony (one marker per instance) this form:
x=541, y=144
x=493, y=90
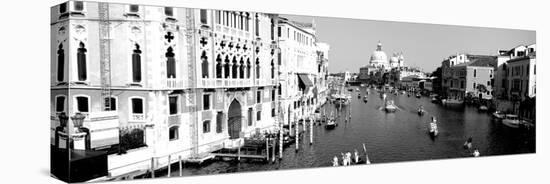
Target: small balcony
x=174, y=83
x=224, y=83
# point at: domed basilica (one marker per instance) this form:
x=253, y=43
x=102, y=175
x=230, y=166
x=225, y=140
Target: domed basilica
x=379, y=59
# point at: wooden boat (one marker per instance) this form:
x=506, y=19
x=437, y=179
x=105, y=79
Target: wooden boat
x=452, y=102
x=511, y=120
x=433, y=129
x=498, y=115
x=390, y=107
x=483, y=108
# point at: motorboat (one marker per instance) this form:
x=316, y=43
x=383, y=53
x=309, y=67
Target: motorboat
x=498, y=115
x=483, y=108
x=365, y=99
x=418, y=95
x=390, y=107
x=357, y=89
x=331, y=124
x=452, y=102
x=511, y=120
x=434, y=99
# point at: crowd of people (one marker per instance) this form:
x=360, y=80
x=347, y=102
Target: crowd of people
x=347, y=159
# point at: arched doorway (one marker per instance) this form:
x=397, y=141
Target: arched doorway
x=234, y=120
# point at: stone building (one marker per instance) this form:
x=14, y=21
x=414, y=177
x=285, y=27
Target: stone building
x=517, y=79
x=303, y=70
x=154, y=81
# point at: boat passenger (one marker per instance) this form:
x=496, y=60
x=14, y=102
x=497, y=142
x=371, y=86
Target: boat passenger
x=476, y=153
x=348, y=158
x=468, y=143
x=335, y=161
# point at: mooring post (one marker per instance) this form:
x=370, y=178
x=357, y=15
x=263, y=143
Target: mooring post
x=281, y=142
x=297, y=137
x=267, y=149
x=152, y=167
x=273, y=144
x=180, y=166
x=239, y=153
x=169, y=165
x=304, y=124
x=310, y=132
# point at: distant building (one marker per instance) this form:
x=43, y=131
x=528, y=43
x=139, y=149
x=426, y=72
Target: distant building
x=377, y=71
x=398, y=73
x=304, y=70
x=468, y=76
x=518, y=81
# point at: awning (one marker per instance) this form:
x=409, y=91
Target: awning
x=304, y=81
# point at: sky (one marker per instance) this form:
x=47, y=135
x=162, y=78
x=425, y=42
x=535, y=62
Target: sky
x=352, y=41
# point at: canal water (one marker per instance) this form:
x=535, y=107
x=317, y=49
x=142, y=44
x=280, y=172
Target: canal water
x=392, y=137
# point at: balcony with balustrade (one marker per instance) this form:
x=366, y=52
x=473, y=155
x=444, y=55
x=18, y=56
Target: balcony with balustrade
x=174, y=83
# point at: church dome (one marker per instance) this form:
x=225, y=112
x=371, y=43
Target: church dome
x=379, y=57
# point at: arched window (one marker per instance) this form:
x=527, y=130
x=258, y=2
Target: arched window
x=173, y=133
x=60, y=63
x=226, y=67
x=219, y=67
x=170, y=63
x=235, y=67
x=272, y=69
x=257, y=26
x=136, y=65
x=241, y=69
x=81, y=62
x=248, y=66
x=257, y=68
x=219, y=122
x=204, y=64
x=206, y=126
